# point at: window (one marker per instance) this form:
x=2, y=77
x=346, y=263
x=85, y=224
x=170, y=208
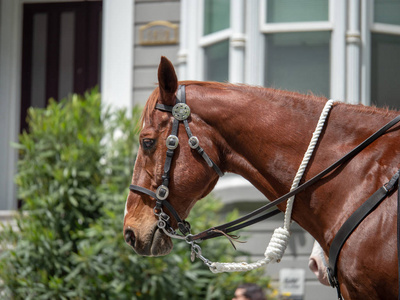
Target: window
x=387, y=11
x=298, y=61
x=385, y=54
x=216, y=15
x=216, y=61
x=297, y=45
x=61, y=51
x=282, y=11
x=215, y=40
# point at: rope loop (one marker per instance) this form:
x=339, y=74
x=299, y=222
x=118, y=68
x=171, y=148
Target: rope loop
x=277, y=245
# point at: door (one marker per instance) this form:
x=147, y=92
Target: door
x=61, y=51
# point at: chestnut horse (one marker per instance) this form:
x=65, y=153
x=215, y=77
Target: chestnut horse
x=262, y=134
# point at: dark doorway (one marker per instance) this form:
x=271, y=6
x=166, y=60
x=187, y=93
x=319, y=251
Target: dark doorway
x=61, y=51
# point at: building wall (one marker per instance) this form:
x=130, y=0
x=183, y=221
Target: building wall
x=147, y=58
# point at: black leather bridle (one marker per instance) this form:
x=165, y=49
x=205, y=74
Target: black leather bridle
x=181, y=112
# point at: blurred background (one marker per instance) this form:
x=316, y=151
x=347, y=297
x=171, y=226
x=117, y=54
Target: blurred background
x=347, y=50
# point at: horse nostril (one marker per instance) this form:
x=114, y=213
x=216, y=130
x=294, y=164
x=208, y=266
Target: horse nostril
x=129, y=237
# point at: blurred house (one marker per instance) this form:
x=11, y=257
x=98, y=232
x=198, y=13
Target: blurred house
x=347, y=50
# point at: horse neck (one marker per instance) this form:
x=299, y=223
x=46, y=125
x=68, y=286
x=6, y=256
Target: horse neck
x=265, y=134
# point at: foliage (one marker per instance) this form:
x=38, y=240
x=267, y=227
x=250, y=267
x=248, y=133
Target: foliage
x=74, y=168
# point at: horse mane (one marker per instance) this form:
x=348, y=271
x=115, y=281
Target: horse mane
x=266, y=93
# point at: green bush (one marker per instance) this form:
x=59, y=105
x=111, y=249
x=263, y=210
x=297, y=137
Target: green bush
x=74, y=169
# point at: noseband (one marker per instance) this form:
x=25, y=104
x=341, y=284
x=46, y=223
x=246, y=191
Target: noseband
x=181, y=113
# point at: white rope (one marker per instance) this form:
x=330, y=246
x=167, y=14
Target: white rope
x=280, y=238
x=306, y=159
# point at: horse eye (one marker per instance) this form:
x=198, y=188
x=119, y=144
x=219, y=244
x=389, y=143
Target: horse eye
x=148, y=144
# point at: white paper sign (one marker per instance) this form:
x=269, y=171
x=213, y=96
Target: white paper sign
x=291, y=283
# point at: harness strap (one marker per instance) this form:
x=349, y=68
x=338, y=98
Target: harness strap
x=398, y=235
x=351, y=224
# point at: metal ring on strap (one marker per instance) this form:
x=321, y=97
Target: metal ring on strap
x=193, y=142
x=172, y=142
x=162, y=192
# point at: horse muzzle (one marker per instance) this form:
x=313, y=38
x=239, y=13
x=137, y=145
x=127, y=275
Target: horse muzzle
x=151, y=243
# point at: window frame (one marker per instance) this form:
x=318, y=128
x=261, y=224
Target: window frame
x=368, y=27
x=211, y=39
x=335, y=24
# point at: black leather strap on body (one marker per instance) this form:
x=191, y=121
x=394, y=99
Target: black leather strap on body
x=398, y=235
x=351, y=224
x=247, y=219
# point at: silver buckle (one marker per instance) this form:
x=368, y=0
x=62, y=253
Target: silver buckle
x=194, y=142
x=172, y=142
x=162, y=192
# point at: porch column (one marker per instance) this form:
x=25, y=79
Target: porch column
x=237, y=42
x=353, y=40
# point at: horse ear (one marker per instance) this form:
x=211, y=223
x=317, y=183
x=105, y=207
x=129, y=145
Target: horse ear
x=167, y=81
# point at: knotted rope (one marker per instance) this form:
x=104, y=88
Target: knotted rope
x=280, y=238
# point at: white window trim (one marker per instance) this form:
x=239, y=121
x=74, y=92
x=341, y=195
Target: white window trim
x=337, y=16
x=296, y=27
x=216, y=37
x=254, y=39
x=237, y=42
x=353, y=53
x=385, y=28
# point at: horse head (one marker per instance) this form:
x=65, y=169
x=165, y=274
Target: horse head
x=186, y=168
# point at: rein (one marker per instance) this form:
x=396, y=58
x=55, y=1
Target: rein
x=181, y=112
